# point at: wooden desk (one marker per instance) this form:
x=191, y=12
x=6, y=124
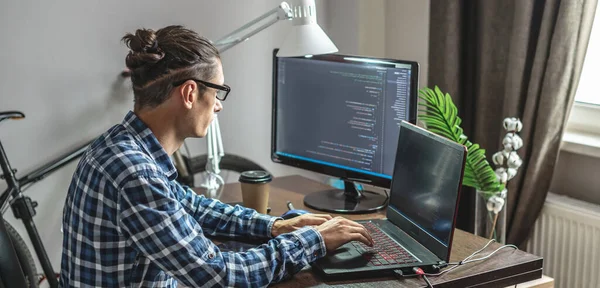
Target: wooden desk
x=507, y=267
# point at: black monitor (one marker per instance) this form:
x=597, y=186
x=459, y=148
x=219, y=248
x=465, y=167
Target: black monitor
x=340, y=115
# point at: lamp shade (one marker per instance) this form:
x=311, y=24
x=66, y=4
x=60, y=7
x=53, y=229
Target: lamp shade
x=306, y=36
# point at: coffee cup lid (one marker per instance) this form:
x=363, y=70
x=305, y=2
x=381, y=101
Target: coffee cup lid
x=255, y=176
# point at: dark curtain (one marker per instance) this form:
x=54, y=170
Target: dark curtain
x=511, y=58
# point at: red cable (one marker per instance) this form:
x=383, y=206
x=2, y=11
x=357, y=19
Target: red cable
x=418, y=271
x=421, y=273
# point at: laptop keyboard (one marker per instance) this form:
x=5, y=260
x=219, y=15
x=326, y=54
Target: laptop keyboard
x=385, y=251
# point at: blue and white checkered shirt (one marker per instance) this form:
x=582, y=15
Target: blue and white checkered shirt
x=128, y=223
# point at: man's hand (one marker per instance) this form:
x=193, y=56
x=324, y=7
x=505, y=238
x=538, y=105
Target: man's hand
x=339, y=231
x=286, y=226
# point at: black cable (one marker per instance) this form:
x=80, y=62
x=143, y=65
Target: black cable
x=427, y=281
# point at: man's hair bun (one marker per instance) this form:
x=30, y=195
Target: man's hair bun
x=145, y=49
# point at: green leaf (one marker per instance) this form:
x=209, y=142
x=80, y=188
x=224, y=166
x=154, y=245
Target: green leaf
x=440, y=116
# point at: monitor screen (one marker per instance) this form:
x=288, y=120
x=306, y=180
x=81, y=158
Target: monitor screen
x=340, y=115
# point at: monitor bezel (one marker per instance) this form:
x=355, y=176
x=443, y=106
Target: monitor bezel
x=335, y=171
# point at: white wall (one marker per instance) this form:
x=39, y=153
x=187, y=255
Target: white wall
x=60, y=66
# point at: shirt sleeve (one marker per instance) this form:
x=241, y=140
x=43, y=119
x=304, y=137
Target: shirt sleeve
x=220, y=219
x=159, y=227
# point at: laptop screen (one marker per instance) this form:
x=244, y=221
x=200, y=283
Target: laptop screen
x=426, y=182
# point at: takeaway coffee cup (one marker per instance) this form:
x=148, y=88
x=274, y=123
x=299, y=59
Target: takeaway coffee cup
x=255, y=189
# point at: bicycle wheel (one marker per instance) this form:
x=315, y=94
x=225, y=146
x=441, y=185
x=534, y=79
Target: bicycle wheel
x=231, y=166
x=25, y=259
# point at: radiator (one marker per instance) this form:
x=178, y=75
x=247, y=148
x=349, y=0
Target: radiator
x=567, y=235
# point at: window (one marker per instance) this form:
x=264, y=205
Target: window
x=583, y=127
x=587, y=91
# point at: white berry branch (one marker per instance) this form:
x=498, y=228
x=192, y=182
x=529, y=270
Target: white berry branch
x=507, y=163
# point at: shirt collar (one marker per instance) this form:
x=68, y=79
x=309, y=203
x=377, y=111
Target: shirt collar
x=149, y=142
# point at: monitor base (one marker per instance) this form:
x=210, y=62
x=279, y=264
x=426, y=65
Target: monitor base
x=347, y=201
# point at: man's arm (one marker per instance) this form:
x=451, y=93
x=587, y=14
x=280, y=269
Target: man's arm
x=220, y=219
x=157, y=226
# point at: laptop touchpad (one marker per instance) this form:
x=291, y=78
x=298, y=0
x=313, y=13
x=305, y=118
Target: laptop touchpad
x=349, y=257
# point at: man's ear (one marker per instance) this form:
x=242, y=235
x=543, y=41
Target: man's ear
x=187, y=93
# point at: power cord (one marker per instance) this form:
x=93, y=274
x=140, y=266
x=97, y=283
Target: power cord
x=469, y=260
x=427, y=281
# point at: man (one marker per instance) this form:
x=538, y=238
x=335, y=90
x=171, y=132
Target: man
x=128, y=223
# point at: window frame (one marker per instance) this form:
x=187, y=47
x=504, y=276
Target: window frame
x=582, y=131
x=582, y=118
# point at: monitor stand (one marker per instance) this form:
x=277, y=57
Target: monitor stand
x=348, y=201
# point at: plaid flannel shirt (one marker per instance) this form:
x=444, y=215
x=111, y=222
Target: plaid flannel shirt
x=128, y=223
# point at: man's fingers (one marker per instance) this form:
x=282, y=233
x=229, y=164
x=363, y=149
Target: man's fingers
x=357, y=228
x=361, y=238
x=363, y=230
x=364, y=233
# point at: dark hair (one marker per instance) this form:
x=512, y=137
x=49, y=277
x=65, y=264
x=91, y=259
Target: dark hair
x=157, y=59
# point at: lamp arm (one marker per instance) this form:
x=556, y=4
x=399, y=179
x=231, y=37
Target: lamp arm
x=281, y=12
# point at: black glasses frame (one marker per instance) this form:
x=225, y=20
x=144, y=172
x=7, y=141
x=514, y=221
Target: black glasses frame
x=225, y=88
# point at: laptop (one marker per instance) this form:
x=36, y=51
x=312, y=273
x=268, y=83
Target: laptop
x=421, y=214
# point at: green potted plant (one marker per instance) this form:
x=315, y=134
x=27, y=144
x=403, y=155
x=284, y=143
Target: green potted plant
x=439, y=115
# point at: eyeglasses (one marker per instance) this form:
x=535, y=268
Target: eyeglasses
x=222, y=90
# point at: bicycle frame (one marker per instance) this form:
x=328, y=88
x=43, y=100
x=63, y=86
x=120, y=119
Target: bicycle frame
x=39, y=173
x=24, y=208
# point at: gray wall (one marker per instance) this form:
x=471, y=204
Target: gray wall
x=60, y=66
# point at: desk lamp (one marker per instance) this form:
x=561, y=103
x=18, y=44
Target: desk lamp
x=305, y=38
